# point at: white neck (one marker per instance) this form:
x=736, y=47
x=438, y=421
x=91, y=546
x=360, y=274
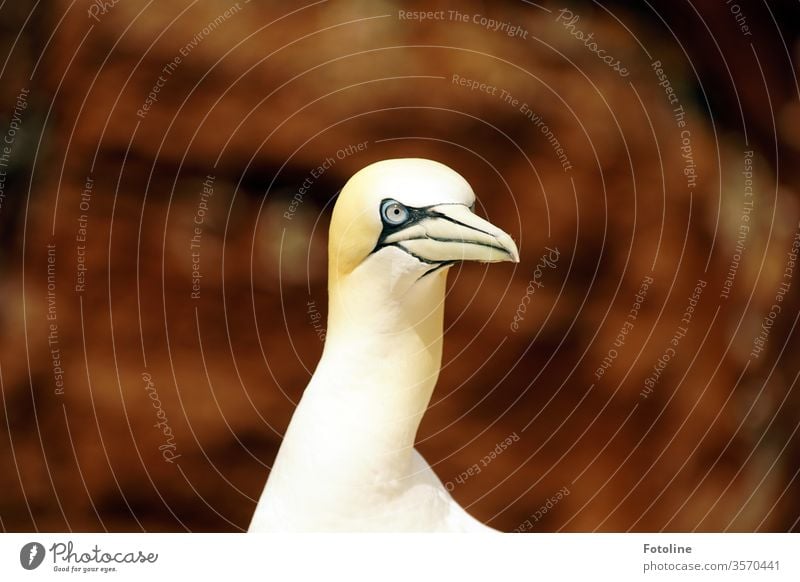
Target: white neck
x=355, y=426
x=388, y=338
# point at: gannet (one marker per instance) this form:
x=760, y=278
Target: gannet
x=347, y=461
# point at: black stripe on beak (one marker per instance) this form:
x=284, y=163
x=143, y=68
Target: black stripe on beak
x=415, y=215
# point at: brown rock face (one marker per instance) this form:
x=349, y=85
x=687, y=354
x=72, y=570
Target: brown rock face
x=164, y=218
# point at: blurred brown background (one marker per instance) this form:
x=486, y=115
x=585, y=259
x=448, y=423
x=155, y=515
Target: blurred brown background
x=262, y=93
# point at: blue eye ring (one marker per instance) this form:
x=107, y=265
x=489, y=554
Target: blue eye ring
x=394, y=213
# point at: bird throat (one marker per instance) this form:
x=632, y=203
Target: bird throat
x=384, y=348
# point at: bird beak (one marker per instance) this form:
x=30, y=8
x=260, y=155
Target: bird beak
x=451, y=232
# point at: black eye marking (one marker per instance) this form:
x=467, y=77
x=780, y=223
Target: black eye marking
x=397, y=216
x=393, y=213
x=408, y=216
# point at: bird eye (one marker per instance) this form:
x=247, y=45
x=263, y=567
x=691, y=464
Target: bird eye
x=393, y=212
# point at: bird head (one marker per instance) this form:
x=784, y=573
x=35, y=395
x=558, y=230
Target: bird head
x=414, y=216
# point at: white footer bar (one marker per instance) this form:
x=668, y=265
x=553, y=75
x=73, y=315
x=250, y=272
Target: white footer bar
x=401, y=557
